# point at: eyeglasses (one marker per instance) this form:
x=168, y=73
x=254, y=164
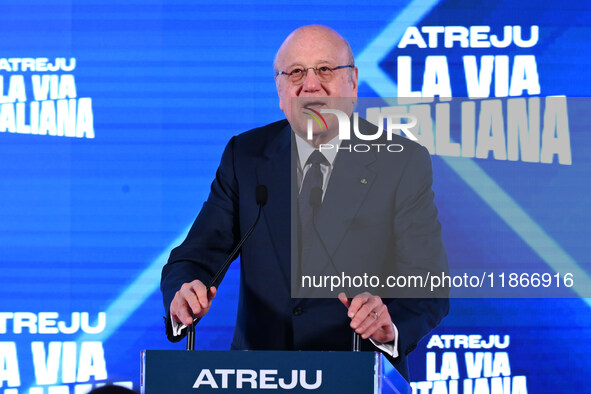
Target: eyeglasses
x=324, y=73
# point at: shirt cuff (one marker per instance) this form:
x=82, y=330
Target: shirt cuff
x=390, y=348
x=176, y=327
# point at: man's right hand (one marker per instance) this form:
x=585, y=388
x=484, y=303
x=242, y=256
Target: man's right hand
x=194, y=297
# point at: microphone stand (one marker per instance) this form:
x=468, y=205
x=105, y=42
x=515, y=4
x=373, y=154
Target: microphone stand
x=191, y=334
x=261, y=199
x=356, y=342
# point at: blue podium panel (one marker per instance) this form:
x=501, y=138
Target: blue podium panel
x=165, y=371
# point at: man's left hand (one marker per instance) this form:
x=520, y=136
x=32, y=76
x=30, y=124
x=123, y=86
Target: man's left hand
x=369, y=317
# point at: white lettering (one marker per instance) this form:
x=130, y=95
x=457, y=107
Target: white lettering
x=290, y=385
x=92, y=362
x=225, y=373
x=314, y=385
x=246, y=376
x=205, y=378
x=46, y=365
x=267, y=379
x=9, y=372
x=556, y=133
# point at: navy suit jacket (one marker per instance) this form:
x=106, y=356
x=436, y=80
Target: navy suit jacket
x=395, y=202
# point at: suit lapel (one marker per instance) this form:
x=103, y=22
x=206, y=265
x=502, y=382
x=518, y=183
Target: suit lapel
x=275, y=173
x=349, y=183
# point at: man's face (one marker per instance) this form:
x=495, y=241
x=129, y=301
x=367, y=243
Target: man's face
x=315, y=47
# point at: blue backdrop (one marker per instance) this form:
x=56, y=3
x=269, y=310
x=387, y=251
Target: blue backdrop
x=113, y=117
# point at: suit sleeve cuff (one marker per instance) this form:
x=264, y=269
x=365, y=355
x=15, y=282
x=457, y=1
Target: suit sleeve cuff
x=390, y=348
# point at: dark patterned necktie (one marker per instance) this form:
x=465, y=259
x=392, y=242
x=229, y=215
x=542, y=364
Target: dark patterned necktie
x=309, y=201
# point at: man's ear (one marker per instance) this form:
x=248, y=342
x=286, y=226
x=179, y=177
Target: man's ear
x=281, y=104
x=355, y=82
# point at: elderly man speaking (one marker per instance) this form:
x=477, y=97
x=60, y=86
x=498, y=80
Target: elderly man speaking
x=314, y=65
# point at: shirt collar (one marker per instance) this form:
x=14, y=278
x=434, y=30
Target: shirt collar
x=305, y=150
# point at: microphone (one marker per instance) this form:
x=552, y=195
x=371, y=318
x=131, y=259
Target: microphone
x=315, y=202
x=261, y=197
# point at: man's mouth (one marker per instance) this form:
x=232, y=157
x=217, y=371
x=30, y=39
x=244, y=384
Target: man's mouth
x=314, y=105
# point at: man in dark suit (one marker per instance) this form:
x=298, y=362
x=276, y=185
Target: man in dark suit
x=376, y=208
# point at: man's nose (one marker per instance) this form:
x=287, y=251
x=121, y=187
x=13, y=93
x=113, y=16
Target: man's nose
x=311, y=81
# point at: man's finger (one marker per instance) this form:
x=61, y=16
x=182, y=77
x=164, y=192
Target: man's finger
x=201, y=292
x=187, y=299
x=381, y=329
x=211, y=295
x=181, y=311
x=357, y=303
x=369, y=320
x=198, y=299
x=373, y=326
x=192, y=300
x=185, y=317
x=343, y=298
x=366, y=309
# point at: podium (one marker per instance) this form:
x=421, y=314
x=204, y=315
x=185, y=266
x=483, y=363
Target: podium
x=180, y=372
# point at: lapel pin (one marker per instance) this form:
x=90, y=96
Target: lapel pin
x=364, y=181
